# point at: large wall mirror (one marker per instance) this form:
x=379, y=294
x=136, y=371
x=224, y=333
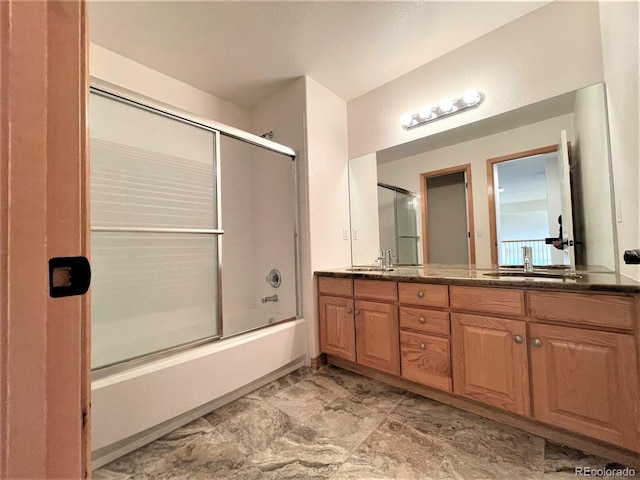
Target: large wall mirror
x=537, y=176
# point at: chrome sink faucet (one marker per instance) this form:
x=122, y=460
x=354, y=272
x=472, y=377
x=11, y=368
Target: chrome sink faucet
x=527, y=259
x=385, y=259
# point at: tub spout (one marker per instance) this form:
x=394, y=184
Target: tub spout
x=272, y=298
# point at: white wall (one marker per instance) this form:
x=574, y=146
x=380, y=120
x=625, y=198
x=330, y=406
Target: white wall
x=326, y=132
x=552, y=50
x=591, y=146
x=363, y=197
x=619, y=26
x=107, y=66
x=405, y=173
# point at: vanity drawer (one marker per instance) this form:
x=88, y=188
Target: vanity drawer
x=426, y=360
x=424, y=320
x=506, y=301
x=376, y=290
x=615, y=311
x=424, y=294
x=335, y=286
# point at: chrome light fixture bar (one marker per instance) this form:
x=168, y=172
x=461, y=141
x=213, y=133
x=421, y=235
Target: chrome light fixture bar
x=471, y=99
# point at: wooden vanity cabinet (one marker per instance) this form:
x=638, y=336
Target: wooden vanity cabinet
x=377, y=340
x=490, y=362
x=425, y=350
x=377, y=333
x=566, y=359
x=586, y=381
x=336, y=317
x=360, y=325
x=426, y=359
x=337, y=327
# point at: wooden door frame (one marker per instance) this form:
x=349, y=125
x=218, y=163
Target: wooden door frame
x=44, y=342
x=466, y=169
x=493, y=234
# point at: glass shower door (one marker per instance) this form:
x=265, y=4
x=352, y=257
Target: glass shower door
x=258, y=215
x=397, y=213
x=155, y=233
x=407, y=229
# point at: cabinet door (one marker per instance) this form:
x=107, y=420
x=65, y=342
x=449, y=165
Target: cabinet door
x=337, y=328
x=490, y=361
x=586, y=381
x=377, y=336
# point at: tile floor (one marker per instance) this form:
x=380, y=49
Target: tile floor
x=335, y=424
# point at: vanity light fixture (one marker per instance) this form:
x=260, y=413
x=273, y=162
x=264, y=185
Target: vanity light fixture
x=471, y=99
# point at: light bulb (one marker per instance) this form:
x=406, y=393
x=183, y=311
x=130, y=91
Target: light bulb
x=406, y=120
x=446, y=105
x=471, y=96
x=425, y=112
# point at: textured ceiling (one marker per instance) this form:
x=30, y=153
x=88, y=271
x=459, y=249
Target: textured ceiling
x=244, y=52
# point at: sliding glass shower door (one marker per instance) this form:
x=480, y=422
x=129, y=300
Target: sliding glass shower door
x=258, y=213
x=155, y=231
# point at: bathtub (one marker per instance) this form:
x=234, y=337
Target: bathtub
x=139, y=405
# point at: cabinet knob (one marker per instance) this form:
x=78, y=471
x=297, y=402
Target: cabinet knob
x=422, y=346
x=420, y=294
x=421, y=320
x=537, y=342
x=349, y=311
x=517, y=339
x=357, y=312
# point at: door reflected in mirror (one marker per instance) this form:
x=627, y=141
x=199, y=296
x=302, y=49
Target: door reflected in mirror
x=526, y=207
x=447, y=216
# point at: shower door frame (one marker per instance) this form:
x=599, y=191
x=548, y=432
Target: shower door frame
x=139, y=101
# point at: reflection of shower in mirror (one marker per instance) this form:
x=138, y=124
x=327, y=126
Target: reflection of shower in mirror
x=397, y=212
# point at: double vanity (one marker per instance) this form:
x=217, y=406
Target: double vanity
x=555, y=353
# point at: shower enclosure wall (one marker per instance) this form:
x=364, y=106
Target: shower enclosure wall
x=190, y=228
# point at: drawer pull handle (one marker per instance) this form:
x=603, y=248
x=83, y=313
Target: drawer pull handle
x=517, y=339
x=422, y=346
x=420, y=294
x=537, y=342
x=349, y=311
x=421, y=320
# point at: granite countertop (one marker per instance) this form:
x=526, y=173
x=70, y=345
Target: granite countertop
x=587, y=278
